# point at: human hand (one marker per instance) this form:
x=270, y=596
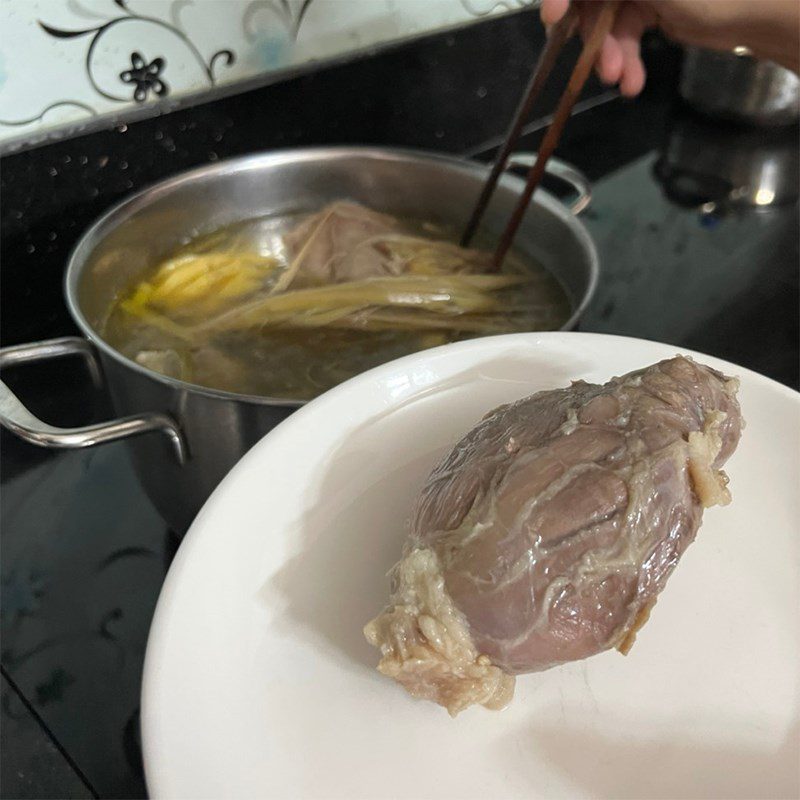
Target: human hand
x=769, y=28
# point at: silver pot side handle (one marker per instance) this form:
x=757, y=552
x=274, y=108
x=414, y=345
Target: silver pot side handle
x=17, y=418
x=561, y=170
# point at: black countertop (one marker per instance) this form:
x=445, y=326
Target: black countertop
x=84, y=552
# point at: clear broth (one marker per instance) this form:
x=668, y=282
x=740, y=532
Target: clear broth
x=301, y=363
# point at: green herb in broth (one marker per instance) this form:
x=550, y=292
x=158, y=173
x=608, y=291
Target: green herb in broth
x=289, y=308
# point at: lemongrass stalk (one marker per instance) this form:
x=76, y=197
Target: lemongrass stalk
x=453, y=294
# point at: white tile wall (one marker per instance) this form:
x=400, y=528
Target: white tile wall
x=62, y=61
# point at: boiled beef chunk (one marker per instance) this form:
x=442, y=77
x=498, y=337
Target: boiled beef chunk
x=548, y=532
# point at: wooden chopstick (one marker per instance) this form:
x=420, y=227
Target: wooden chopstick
x=580, y=73
x=559, y=35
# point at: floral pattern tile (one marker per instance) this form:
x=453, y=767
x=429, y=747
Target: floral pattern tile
x=62, y=61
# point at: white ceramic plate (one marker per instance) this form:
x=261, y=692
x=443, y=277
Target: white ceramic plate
x=259, y=684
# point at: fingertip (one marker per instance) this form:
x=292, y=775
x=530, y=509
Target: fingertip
x=633, y=79
x=628, y=30
x=551, y=11
x=609, y=62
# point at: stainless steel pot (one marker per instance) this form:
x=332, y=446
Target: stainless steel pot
x=194, y=435
x=717, y=168
x=736, y=86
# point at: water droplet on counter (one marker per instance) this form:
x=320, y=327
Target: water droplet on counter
x=16, y=214
x=102, y=161
x=159, y=136
x=52, y=236
x=439, y=134
x=53, y=171
x=67, y=159
x=30, y=248
x=94, y=191
x=83, y=160
x=129, y=184
x=122, y=128
x=212, y=156
x=482, y=91
x=123, y=165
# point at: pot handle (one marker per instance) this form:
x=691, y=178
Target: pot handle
x=557, y=168
x=17, y=418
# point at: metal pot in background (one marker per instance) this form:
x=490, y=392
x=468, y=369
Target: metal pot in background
x=184, y=438
x=737, y=86
x=718, y=168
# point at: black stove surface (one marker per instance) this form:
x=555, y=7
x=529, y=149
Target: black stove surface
x=85, y=553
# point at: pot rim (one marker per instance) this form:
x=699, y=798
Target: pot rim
x=115, y=215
